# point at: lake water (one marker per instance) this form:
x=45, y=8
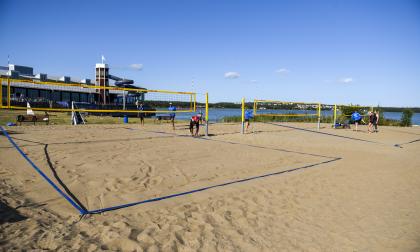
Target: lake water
x=216, y=115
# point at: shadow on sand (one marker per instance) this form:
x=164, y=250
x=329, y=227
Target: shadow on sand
x=9, y=214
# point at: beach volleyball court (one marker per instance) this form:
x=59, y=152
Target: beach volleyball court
x=106, y=167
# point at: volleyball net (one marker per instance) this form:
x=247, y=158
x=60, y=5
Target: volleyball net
x=281, y=111
x=272, y=108
x=307, y=112
x=58, y=97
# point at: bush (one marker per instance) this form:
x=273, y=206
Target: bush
x=348, y=110
x=406, y=117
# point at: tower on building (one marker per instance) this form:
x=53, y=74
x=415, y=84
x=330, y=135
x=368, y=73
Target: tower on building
x=102, y=80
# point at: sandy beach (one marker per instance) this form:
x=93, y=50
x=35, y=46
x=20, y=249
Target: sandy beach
x=332, y=190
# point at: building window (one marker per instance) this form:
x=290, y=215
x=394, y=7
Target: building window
x=4, y=93
x=83, y=97
x=33, y=94
x=65, y=96
x=45, y=94
x=55, y=96
x=19, y=93
x=75, y=97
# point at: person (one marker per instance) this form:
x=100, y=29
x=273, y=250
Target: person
x=376, y=121
x=172, y=114
x=195, y=121
x=141, y=114
x=248, y=116
x=200, y=115
x=356, y=118
x=371, y=121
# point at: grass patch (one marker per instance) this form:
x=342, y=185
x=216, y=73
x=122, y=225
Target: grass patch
x=307, y=119
x=312, y=119
x=64, y=118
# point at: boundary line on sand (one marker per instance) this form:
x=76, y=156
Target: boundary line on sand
x=335, y=135
x=237, y=143
x=81, y=211
x=410, y=142
x=101, y=210
x=322, y=133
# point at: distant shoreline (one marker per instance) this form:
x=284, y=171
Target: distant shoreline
x=229, y=105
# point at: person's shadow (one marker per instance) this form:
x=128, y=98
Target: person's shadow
x=9, y=214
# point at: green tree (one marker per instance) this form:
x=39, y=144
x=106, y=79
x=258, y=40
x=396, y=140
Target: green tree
x=348, y=110
x=406, y=117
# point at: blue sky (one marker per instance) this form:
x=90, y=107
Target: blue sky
x=360, y=52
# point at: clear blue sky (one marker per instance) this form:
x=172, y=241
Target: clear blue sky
x=360, y=52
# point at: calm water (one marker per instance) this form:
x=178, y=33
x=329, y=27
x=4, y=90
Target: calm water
x=216, y=115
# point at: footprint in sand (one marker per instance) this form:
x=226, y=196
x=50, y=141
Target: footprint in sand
x=134, y=233
x=156, y=180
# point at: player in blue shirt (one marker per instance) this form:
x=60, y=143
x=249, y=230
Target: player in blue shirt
x=248, y=116
x=356, y=118
x=172, y=115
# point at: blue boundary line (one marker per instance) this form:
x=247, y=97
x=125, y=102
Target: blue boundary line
x=101, y=210
x=322, y=133
x=236, y=143
x=81, y=211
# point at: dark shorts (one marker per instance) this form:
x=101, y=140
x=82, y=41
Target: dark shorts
x=247, y=120
x=192, y=123
x=141, y=115
x=358, y=121
x=172, y=117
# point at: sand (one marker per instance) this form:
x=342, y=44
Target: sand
x=337, y=191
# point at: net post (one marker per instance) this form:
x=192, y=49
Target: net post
x=255, y=108
x=123, y=93
x=335, y=115
x=319, y=115
x=8, y=93
x=191, y=102
x=1, y=93
x=207, y=114
x=72, y=113
x=195, y=102
x=243, y=116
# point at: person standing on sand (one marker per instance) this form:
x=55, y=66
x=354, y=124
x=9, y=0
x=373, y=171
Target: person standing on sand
x=371, y=121
x=376, y=121
x=172, y=114
x=248, y=116
x=200, y=115
x=141, y=114
x=356, y=118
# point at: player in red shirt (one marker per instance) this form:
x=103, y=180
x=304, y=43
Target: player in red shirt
x=195, y=120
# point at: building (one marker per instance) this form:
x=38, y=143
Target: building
x=102, y=80
x=64, y=89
